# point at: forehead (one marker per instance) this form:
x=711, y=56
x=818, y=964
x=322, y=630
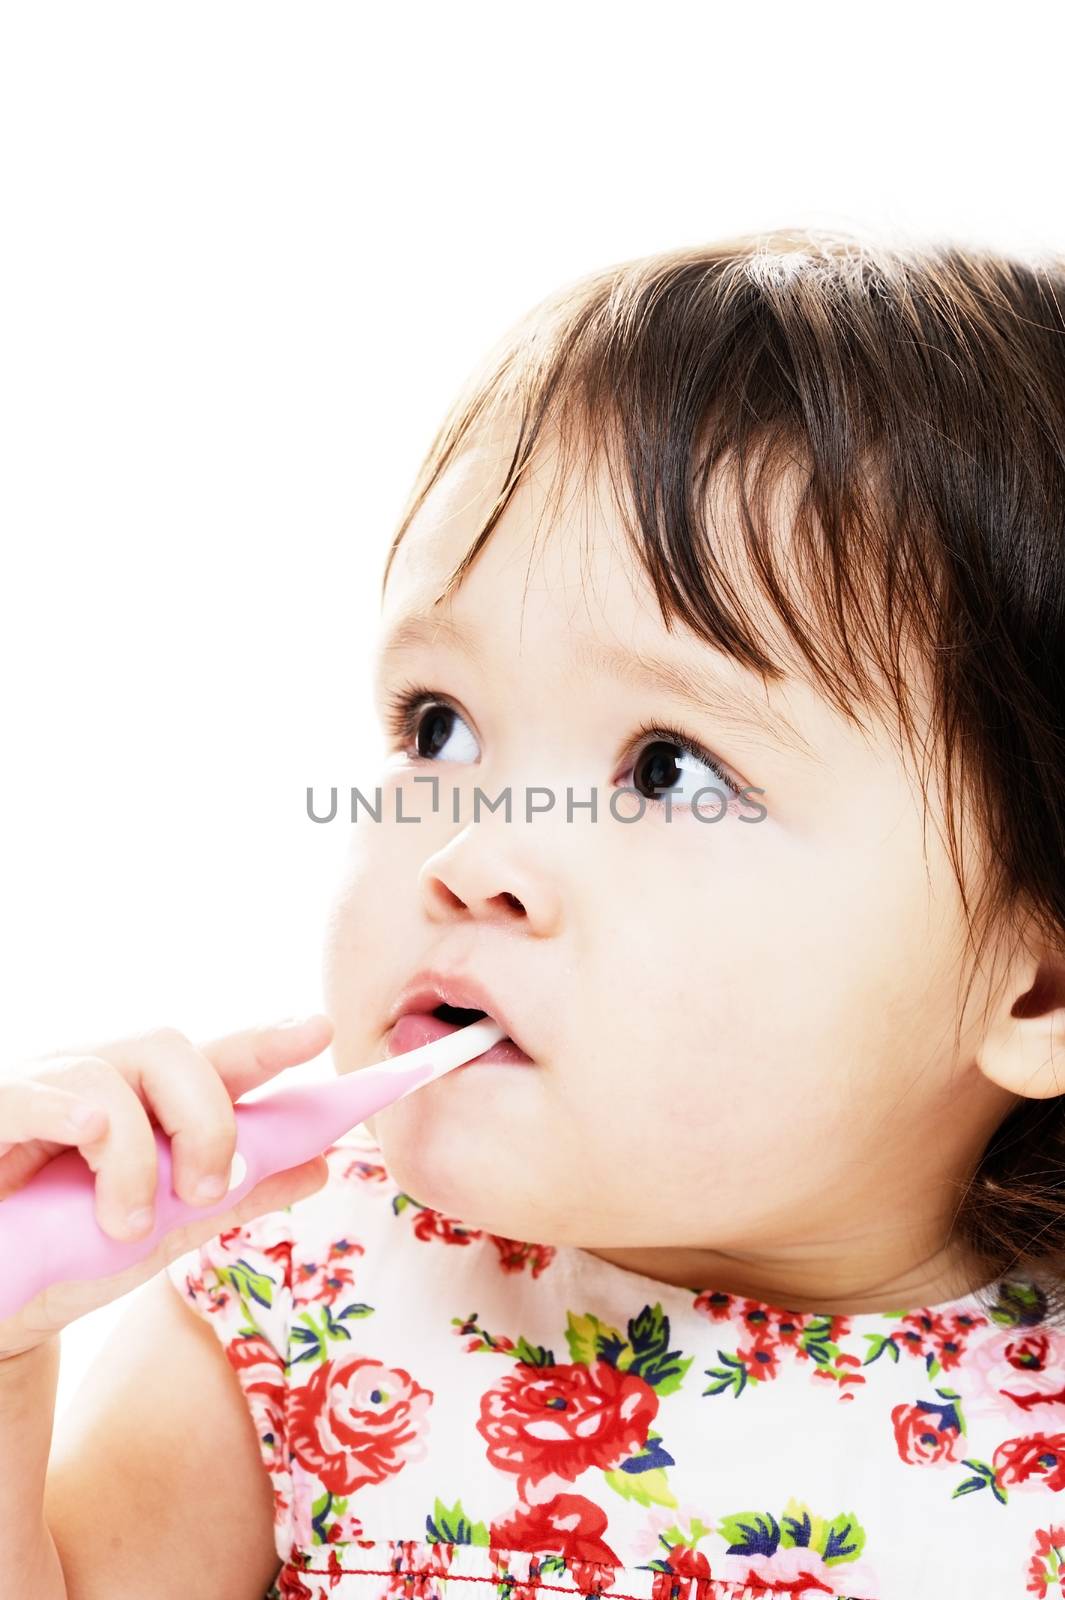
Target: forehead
x=531, y=560
x=559, y=555
x=559, y=587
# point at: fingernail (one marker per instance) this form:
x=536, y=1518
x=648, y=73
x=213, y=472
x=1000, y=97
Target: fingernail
x=210, y=1189
x=290, y=1024
x=137, y=1221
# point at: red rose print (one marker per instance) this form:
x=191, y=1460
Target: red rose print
x=685, y=1564
x=1028, y=1352
x=1038, y=1460
x=257, y=1359
x=324, y=1282
x=1047, y=1560
x=566, y=1418
x=416, y=1571
x=515, y=1254
x=262, y=1376
x=434, y=1225
x=233, y=1240
x=357, y=1421
x=785, y=1327
x=290, y=1586
x=368, y=1171
x=1035, y=1375
x=920, y=1334
x=920, y=1437
x=566, y=1525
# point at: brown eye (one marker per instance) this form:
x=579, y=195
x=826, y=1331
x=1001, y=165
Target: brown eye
x=669, y=758
x=427, y=723
x=656, y=767
x=432, y=728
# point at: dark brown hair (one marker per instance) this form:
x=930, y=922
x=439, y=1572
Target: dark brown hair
x=921, y=392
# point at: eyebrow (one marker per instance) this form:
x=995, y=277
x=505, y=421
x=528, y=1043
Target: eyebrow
x=705, y=694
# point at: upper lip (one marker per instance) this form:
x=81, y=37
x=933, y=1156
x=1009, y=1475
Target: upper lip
x=430, y=988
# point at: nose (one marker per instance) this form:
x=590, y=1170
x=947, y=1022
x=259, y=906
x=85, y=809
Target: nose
x=471, y=878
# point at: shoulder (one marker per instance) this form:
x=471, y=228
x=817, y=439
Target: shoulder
x=256, y=1284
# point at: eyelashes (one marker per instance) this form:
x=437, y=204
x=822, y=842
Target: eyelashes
x=404, y=705
x=652, y=731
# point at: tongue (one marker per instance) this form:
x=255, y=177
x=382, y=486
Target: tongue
x=417, y=1028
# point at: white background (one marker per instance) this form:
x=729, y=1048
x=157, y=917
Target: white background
x=250, y=252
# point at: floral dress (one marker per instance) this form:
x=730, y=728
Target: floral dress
x=446, y=1413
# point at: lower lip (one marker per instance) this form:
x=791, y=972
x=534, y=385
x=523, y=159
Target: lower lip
x=421, y=1027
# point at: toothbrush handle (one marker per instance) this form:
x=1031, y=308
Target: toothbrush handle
x=48, y=1229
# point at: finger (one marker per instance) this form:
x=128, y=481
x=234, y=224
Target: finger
x=243, y=1060
x=192, y=1106
x=59, y=1304
x=124, y=1156
x=246, y=1059
x=22, y=1159
x=192, y=1093
x=30, y=1109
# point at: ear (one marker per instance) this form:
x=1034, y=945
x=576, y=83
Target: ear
x=1024, y=1049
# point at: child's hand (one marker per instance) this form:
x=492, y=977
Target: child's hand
x=127, y=1086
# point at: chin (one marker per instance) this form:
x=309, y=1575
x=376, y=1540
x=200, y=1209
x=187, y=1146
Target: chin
x=419, y=1156
x=452, y=1177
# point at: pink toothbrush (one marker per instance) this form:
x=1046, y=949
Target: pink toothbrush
x=48, y=1228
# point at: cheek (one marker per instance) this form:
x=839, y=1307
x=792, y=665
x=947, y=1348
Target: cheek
x=360, y=977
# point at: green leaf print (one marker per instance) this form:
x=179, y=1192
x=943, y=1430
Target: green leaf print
x=646, y=1488
x=985, y=1478
x=671, y=1537
x=325, y=1506
x=314, y=1334
x=647, y=1469
x=590, y=1340
x=878, y=1343
x=453, y=1526
x=645, y=1353
x=842, y=1539
x=248, y=1284
x=759, y=1533
x=359, y=1310
x=534, y=1355
x=733, y=1375
x=653, y=1360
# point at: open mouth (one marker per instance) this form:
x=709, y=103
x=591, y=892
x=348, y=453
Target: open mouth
x=416, y=1028
x=457, y=1014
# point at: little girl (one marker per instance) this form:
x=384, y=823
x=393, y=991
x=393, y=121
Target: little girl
x=722, y=663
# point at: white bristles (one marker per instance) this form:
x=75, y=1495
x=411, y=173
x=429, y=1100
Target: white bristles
x=454, y=1048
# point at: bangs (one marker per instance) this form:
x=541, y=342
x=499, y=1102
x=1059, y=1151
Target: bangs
x=752, y=479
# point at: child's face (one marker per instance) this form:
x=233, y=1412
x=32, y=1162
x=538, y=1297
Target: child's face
x=742, y=1030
